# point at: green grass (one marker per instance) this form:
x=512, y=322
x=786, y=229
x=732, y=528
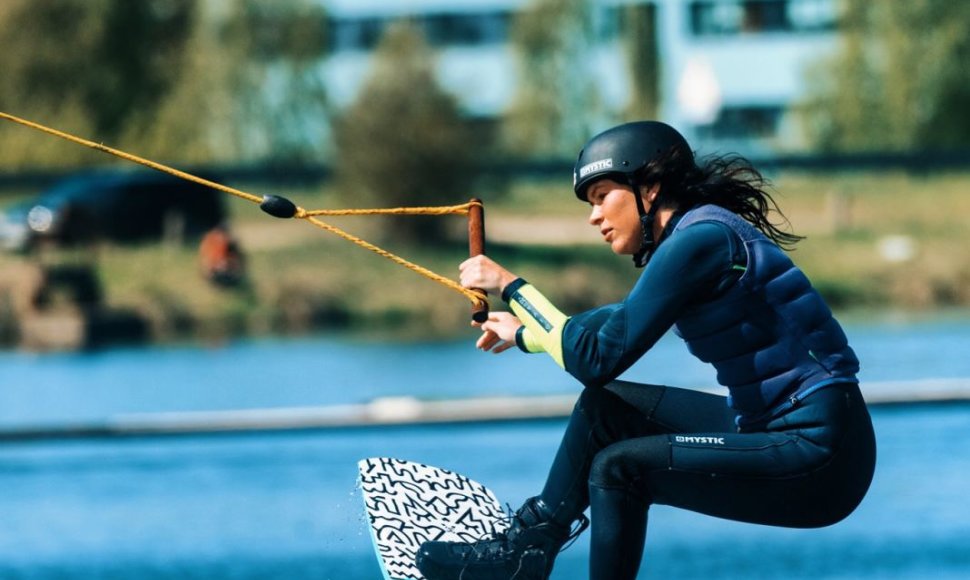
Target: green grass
x=302, y=279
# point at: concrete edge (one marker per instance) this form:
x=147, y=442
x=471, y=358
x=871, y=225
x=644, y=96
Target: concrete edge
x=407, y=411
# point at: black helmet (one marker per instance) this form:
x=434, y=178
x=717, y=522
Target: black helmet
x=624, y=150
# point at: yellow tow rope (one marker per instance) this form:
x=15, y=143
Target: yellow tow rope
x=282, y=207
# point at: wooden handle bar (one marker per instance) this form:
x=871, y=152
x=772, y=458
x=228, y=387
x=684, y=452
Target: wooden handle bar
x=476, y=247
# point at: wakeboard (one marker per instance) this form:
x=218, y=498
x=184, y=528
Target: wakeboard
x=410, y=503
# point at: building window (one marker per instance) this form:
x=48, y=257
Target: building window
x=466, y=29
x=608, y=23
x=730, y=17
x=814, y=14
x=356, y=33
x=461, y=29
x=744, y=122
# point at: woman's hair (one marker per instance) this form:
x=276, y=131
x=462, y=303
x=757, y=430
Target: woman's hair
x=729, y=181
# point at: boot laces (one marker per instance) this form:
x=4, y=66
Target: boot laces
x=580, y=526
x=501, y=543
x=494, y=542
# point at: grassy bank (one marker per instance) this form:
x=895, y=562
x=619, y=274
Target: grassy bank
x=883, y=240
x=872, y=240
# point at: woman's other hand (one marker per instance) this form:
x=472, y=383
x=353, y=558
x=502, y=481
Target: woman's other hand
x=483, y=272
x=498, y=332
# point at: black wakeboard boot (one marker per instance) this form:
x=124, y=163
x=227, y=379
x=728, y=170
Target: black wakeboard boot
x=525, y=551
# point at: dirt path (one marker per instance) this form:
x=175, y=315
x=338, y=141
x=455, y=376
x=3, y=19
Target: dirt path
x=544, y=231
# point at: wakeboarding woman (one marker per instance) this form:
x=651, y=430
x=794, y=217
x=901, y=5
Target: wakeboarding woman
x=790, y=445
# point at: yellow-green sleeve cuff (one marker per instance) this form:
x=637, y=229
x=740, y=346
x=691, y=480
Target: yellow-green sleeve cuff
x=527, y=342
x=542, y=322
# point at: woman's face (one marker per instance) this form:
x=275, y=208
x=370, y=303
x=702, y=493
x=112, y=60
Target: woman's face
x=615, y=215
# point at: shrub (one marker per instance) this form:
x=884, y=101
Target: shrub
x=404, y=141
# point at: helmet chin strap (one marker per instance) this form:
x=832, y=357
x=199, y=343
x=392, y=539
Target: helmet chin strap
x=647, y=244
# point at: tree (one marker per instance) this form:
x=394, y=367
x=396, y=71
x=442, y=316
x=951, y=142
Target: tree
x=111, y=59
x=403, y=142
x=640, y=37
x=46, y=80
x=134, y=75
x=899, y=81
x=178, y=80
x=280, y=107
x=556, y=106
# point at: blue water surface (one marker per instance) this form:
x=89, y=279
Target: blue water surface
x=264, y=373
x=285, y=505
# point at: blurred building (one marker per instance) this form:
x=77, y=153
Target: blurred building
x=730, y=70
x=734, y=70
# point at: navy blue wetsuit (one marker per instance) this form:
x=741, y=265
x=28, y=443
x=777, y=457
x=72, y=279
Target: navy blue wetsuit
x=792, y=443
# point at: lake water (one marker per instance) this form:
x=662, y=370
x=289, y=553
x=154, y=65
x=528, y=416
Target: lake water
x=285, y=505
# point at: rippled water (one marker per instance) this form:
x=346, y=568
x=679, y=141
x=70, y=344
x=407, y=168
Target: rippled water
x=285, y=505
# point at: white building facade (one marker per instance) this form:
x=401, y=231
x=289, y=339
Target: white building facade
x=730, y=70
x=733, y=70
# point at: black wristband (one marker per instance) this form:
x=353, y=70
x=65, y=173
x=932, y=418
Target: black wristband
x=512, y=288
x=520, y=340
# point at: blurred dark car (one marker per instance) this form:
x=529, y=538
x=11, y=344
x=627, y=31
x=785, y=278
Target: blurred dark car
x=113, y=205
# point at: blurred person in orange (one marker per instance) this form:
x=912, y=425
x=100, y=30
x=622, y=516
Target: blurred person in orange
x=220, y=258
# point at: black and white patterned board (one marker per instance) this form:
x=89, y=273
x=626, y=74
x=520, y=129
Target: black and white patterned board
x=410, y=503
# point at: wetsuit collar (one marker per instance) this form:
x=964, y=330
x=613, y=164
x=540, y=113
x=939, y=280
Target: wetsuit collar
x=670, y=226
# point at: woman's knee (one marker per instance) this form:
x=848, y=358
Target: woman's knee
x=593, y=398
x=628, y=464
x=597, y=405
x=610, y=469
x=620, y=399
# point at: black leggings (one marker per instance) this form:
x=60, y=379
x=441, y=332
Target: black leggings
x=628, y=446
